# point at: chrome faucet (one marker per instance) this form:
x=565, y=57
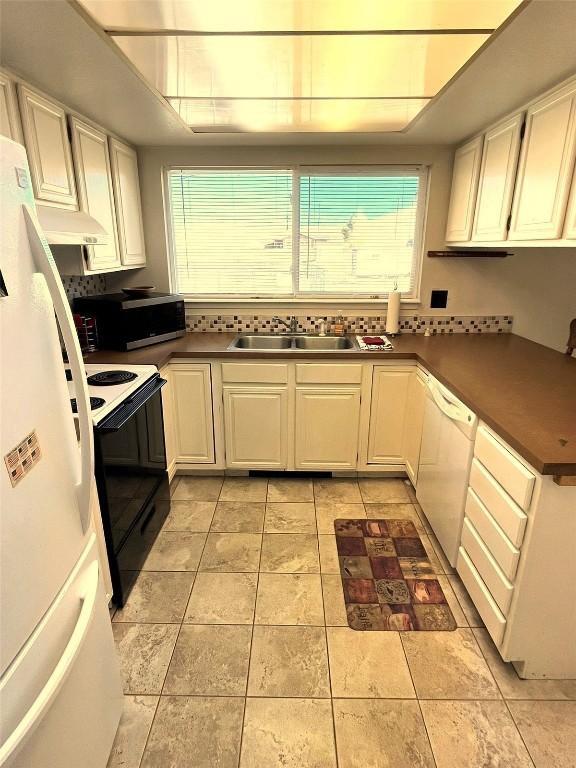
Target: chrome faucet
x=292, y=325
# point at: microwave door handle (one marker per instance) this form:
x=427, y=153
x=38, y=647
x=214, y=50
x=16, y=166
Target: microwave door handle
x=45, y=264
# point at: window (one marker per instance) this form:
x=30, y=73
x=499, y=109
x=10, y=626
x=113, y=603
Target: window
x=296, y=233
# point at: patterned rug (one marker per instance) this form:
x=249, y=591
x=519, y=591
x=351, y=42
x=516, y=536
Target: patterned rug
x=388, y=580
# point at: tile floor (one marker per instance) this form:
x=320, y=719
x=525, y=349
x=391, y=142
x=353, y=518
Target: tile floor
x=235, y=651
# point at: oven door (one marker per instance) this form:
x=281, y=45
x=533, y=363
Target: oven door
x=132, y=482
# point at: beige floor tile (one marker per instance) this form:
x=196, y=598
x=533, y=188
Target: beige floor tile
x=549, y=731
x=288, y=733
x=448, y=665
x=337, y=490
x=328, y=511
x=289, y=661
x=198, y=732
x=171, y=551
x=328, y=553
x=381, y=733
x=453, y=603
x=368, y=665
x=421, y=514
x=244, y=489
x=157, y=597
x=432, y=556
x=289, y=553
x=472, y=615
x=512, y=686
x=464, y=734
x=198, y=488
x=222, y=598
x=144, y=651
x=210, y=660
x=231, y=552
x=383, y=489
x=290, y=517
x=133, y=731
x=239, y=517
x=286, y=598
x=334, y=607
x=404, y=511
x=188, y=515
x=290, y=489
x=446, y=567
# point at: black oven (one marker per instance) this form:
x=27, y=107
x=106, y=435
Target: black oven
x=132, y=481
x=128, y=322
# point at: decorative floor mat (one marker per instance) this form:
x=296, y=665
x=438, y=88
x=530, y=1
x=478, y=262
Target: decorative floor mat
x=388, y=581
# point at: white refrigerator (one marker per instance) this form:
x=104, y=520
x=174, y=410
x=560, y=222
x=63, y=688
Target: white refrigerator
x=60, y=689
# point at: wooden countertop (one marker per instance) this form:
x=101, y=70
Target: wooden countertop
x=524, y=391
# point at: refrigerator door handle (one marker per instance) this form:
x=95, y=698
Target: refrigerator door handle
x=45, y=263
x=61, y=670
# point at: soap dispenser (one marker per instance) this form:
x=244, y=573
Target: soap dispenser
x=339, y=329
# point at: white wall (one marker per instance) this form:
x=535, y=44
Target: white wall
x=536, y=286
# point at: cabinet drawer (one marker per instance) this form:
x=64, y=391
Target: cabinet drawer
x=504, y=552
x=311, y=373
x=506, y=512
x=255, y=373
x=489, y=570
x=512, y=475
x=490, y=613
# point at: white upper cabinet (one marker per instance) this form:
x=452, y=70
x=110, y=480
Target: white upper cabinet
x=570, y=226
x=545, y=168
x=496, y=182
x=48, y=148
x=464, y=188
x=128, y=205
x=9, y=117
x=94, y=177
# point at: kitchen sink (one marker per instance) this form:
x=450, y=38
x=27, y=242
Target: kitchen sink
x=293, y=342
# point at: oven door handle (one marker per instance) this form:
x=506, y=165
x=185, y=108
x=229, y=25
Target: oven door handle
x=45, y=264
x=116, y=420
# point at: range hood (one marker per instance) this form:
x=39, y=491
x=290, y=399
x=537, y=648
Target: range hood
x=62, y=227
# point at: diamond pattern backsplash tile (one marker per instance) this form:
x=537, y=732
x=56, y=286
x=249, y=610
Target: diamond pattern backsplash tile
x=354, y=323
x=76, y=286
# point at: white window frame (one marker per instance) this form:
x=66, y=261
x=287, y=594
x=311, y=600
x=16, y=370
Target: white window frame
x=308, y=299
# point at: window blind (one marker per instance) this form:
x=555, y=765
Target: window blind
x=358, y=232
x=232, y=231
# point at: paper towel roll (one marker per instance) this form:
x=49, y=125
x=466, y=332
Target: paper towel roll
x=393, y=313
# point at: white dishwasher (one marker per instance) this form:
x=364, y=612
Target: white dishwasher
x=445, y=457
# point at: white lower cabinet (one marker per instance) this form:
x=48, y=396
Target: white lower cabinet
x=168, y=418
x=193, y=422
x=413, y=423
x=327, y=423
x=256, y=426
x=390, y=392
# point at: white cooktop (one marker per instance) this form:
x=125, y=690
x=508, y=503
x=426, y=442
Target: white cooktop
x=114, y=394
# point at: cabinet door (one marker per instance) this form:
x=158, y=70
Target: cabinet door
x=128, y=204
x=256, y=427
x=413, y=424
x=463, y=191
x=496, y=184
x=390, y=387
x=192, y=414
x=327, y=424
x=9, y=117
x=545, y=168
x=48, y=150
x=94, y=177
x=570, y=226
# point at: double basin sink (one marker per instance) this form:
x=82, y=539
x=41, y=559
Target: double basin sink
x=293, y=342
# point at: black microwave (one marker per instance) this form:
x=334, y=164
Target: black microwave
x=128, y=322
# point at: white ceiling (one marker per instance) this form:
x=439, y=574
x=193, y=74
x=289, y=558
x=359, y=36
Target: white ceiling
x=56, y=46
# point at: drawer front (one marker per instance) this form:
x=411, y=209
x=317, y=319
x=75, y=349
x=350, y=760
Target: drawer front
x=512, y=475
x=506, y=512
x=504, y=552
x=312, y=373
x=255, y=373
x=489, y=570
x=485, y=605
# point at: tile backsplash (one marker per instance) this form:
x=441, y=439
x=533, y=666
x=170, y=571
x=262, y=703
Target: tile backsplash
x=437, y=324
x=76, y=286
